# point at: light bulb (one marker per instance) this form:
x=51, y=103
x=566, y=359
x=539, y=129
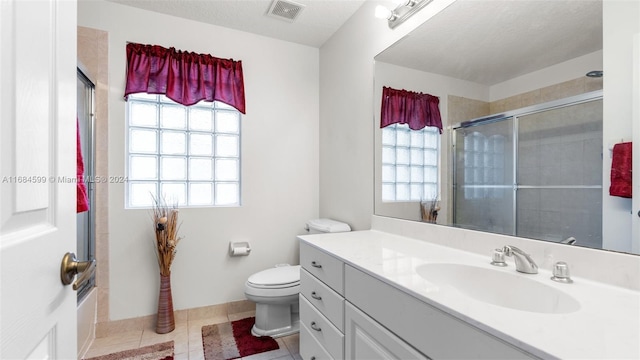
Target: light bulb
x=407, y=3
x=383, y=13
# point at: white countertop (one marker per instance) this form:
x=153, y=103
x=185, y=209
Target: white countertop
x=607, y=325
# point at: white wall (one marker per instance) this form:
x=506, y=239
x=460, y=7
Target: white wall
x=552, y=75
x=621, y=21
x=346, y=110
x=279, y=165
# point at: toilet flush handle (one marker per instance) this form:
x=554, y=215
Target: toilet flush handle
x=315, y=264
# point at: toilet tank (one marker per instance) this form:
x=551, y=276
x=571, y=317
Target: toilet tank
x=320, y=226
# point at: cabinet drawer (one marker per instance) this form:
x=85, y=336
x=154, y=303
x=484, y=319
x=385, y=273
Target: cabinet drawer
x=322, y=330
x=327, y=301
x=310, y=348
x=323, y=266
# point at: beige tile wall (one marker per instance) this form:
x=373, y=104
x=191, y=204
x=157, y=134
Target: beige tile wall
x=110, y=328
x=463, y=109
x=562, y=90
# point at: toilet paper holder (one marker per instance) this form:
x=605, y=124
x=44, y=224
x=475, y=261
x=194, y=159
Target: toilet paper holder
x=239, y=248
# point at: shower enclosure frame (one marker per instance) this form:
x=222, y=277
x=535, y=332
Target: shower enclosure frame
x=87, y=250
x=515, y=115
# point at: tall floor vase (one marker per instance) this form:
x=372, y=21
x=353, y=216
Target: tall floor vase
x=166, y=321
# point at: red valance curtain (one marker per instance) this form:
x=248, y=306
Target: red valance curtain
x=184, y=77
x=408, y=107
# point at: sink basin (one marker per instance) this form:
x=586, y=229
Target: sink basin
x=500, y=288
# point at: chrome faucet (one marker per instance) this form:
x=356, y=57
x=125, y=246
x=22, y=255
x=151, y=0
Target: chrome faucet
x=524, y=262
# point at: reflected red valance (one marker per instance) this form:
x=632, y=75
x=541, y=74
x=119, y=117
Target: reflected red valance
x=408, y=107
x=184, y=77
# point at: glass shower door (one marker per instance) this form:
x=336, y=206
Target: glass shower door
x=483, y=178
x=560, y=174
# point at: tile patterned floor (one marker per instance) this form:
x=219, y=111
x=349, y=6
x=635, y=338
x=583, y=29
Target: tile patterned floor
x=187, y=339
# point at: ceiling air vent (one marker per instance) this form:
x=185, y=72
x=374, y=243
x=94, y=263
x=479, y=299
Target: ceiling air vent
x=285, y=10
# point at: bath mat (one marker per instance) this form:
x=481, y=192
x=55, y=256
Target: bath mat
x=234, y=340
x=163, y=351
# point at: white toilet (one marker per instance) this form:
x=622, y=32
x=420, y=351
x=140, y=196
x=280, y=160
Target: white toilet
x=275, y=291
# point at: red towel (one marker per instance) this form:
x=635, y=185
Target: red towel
x=621, y=171
x=82, y=202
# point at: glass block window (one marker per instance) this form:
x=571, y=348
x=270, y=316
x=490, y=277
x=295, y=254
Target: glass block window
x=484, y=169
x=410, y=163
x=188, y=155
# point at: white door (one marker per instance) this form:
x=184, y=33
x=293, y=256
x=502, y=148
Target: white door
x=37, y=155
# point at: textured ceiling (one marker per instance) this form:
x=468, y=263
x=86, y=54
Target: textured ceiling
x=313, y=26
x=484, y=41
x=490, y=41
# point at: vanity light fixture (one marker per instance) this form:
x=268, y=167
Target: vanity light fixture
x=402, y=12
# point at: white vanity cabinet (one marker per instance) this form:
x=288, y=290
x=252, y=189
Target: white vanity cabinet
x=321, y=305
x=381, y=298
x=346, y=313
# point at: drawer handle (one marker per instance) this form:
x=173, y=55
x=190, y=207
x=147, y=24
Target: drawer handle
x=313, y=358
x=315, y=296
x=315, y=327
x=316, y=265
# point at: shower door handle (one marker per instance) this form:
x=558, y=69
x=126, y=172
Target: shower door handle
x=70, y=267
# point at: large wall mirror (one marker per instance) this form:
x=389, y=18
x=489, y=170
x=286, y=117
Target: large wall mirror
x=524, y=150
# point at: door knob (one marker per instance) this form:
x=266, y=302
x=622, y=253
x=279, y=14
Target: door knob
x=70, y=267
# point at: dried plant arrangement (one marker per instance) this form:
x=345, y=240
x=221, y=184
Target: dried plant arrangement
x=429, y=210
x=166, y=226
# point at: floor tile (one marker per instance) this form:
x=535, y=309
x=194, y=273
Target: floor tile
x=111, y=348
x=187, y=339
x=196, y=355
x=293, y=343
x=242, y=315
x=123, y=337
x=181, y=356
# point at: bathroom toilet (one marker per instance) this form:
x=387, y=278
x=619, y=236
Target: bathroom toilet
x=275, y=290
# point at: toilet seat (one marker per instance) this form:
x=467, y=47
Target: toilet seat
x=277, y=277
x=286, y=294
x=280, y=281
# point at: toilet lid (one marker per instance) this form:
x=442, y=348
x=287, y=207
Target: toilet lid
x=283, y=275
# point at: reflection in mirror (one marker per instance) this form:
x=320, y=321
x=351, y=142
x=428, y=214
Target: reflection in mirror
x=522, y=148
x=534, y=172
